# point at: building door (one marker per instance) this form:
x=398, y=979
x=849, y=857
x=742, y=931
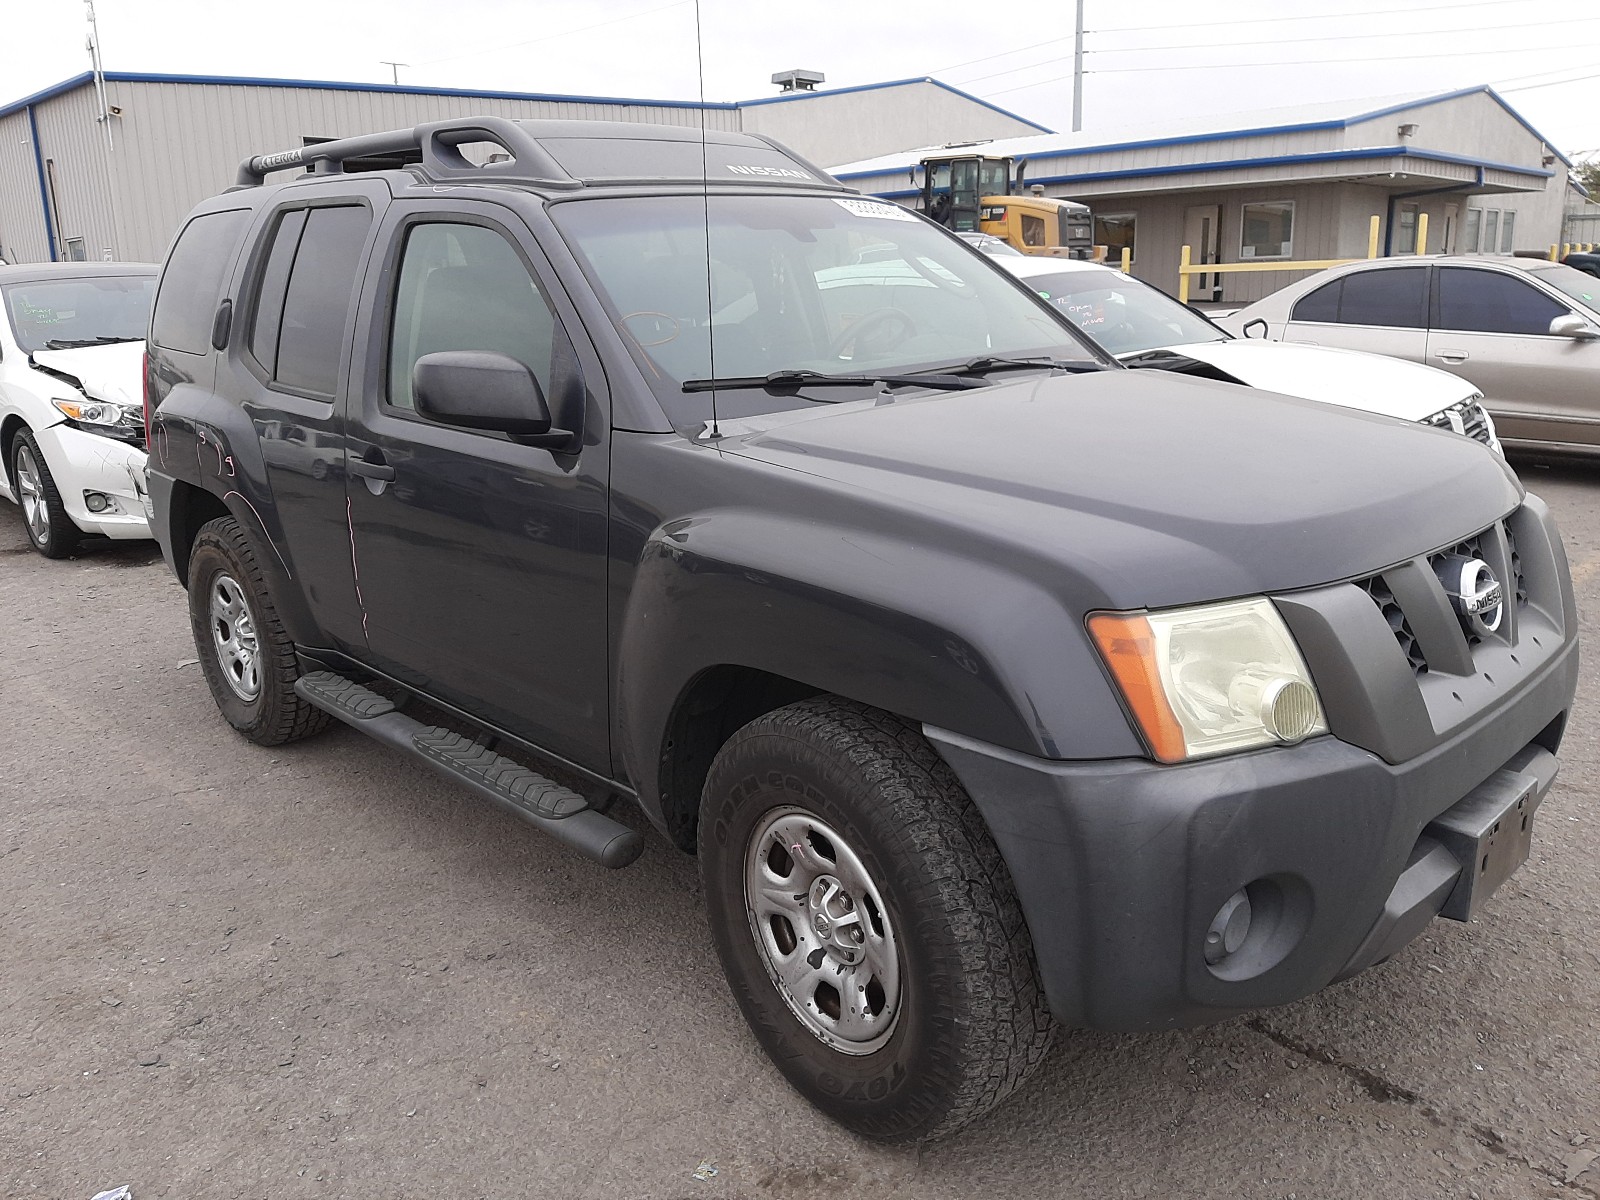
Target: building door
x=1202, y=233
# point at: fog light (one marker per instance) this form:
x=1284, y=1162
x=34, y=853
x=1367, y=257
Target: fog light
x=1229, y=928
x=96, y=501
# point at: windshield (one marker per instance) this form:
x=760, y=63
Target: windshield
x=838, y=286
x=80, y=310
x=1122, y=314
x=1576, y=285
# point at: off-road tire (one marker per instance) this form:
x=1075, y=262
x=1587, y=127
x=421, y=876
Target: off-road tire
x=61, y=537
x=276, y=714
x=973, y=1023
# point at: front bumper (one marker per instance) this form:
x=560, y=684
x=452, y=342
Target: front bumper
x=1122, y=866
x=82, y=462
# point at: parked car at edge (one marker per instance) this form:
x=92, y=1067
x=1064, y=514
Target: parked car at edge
x=1525, y=332
x=71, y=415
x=1583, y=260
x=1149, y=330
x=993, y=684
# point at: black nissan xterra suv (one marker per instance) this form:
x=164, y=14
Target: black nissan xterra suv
x=994, y=685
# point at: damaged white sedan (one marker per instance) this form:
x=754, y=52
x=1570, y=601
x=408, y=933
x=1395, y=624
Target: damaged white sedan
x=72, y=435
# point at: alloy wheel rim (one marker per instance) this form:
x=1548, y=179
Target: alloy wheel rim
x=822, y=931
x=233, y=635
x=34, y=510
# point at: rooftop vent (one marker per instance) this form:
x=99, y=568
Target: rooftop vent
x=798, y=81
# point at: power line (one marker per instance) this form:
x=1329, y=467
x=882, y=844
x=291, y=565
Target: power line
x=1339, y=37
x=1336, y=16
x=552, y=36
x=1303, y=62
x=1528, y=87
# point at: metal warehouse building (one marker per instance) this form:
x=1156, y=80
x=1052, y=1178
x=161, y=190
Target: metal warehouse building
x=1301, y=183
x=68, y=191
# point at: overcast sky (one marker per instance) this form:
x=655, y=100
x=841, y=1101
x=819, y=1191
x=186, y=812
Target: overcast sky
x=1146, y=59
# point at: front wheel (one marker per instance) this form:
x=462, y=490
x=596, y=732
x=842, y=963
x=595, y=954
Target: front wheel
x=866, y=921
x=43, y=513
x=246, y=654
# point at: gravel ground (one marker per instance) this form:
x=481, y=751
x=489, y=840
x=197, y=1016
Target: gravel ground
x=320, y=971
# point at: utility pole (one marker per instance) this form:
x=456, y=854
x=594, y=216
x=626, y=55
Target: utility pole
x=395, y=67
x=107, y=111
x=1077, y=73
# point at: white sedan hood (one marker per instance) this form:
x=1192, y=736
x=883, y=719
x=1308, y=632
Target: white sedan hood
x=1370, y=382
x=112, y=373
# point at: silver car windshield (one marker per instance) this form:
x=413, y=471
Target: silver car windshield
x=1122, y=314
x=56, y=313
x=733, y=286
x=1573, y=284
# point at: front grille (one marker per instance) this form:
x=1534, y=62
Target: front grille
x=1472, y=547
x=1468, y=419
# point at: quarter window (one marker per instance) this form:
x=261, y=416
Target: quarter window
x=1267, y=230
x=464, y=287
x=1490, y=302
x=1320, y=305
x=191, y=286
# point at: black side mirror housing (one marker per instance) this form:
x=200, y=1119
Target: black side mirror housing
x=482, y=389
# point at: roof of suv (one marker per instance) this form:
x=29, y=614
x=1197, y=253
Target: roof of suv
x=562, y=156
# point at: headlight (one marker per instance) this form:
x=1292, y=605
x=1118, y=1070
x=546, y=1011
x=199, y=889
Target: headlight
x=98, y=412
x=1210, y=680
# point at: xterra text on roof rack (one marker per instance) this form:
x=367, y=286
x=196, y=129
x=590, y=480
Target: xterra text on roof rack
x=994, y=685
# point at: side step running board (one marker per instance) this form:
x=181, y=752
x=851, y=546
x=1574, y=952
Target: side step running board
x=559, y=811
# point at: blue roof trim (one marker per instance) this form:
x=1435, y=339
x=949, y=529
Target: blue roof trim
x=477, y=94
x=1195, y=139
x=55, y=89
x=894, y=83
x=1286, y=159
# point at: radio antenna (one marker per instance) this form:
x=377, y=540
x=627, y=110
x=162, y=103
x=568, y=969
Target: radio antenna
x=705, y=209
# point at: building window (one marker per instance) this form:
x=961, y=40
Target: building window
x=1267, y=230
x=1469, y=239
x=1508, y=222
x=1491, y=229
x=76, y=251
x=1114, y=231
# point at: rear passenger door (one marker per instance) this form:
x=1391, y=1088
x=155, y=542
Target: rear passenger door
x=481, y=560
x=1493, y=328
x=288, y=369
x=1381, y=311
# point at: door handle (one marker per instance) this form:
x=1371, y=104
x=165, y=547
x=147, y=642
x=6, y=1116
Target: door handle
x=1451, y=356
x=382, y=472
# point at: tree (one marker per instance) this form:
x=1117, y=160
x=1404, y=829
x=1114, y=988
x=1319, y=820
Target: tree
x=1588, y=174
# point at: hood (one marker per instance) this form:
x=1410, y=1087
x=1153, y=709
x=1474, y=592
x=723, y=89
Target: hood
x=113, y=373
x=1133, y=489
x=1370, y=382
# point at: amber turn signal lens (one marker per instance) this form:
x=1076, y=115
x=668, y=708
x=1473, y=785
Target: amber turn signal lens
x=1129, y=649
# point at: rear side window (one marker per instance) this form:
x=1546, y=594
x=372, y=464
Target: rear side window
x=1320, y=305
x=1392, y=297
x=304, y=296
x=1489, y=302
x=191, y=287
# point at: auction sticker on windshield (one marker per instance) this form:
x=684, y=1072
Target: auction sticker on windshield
x=875, y=208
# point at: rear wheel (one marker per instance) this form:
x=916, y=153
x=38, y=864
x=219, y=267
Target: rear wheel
x=247, y=657
x=866, y=922
x=43, y=514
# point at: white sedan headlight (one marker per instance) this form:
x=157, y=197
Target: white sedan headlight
x=100, y=413
x=1210, y=680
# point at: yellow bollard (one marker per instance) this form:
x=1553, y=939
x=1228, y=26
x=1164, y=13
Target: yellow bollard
x=1422, y=233
x=1372, y=237
x=1553, y=256
x=1566, y=249
x=1183, y=276
x=1127, y=260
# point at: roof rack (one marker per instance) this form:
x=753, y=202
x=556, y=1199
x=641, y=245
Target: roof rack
x=439, y=143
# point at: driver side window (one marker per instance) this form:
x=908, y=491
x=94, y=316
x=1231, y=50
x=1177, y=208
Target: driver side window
x=464, y=287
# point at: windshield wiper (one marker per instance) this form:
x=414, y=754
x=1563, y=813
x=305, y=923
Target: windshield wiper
x=80, y=343
x=788, y=380
x=985, y=364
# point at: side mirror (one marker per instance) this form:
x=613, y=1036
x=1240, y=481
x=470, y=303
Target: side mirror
x=482, y=389
x=1256, y=328
x=1573, y=326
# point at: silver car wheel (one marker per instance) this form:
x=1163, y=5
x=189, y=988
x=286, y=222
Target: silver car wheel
x=233, y=634
x=35, y=510
x=822, y=931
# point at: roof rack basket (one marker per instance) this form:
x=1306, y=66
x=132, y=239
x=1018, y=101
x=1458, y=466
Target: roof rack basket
x=440, y=143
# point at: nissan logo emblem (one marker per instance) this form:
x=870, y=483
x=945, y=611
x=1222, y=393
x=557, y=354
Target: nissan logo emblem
x=1475, y=593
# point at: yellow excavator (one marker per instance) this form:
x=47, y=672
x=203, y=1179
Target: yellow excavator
x=975, y=193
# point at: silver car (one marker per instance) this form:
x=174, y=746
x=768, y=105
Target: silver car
x=1525, y=332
